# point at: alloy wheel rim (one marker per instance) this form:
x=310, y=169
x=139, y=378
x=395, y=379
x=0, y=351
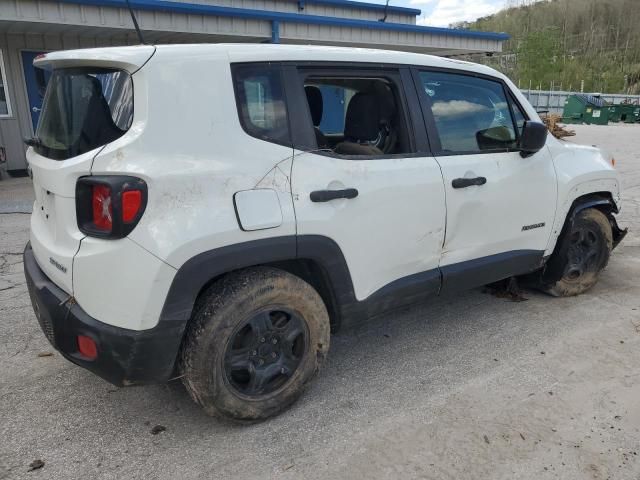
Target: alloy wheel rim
x=264, y=353
x=583, y=253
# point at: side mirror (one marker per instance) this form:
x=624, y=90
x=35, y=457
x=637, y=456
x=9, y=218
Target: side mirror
x=534, y=136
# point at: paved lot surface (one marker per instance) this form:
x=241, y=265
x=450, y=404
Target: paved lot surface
x=475, y=387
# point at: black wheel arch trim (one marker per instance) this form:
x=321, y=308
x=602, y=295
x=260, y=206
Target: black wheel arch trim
x=603, y=201
x=200, y=270
x=339, y=297
x=336, y=284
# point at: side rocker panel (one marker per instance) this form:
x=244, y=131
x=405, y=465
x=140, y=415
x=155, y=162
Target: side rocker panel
x=403, y=291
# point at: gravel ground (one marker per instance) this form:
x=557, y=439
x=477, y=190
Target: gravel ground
x=475, y=387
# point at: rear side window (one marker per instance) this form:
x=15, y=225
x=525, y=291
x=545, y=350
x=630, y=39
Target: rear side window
x=261, y=105
x=471, y=114
x=83, y=109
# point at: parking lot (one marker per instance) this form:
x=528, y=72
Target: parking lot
x=473, y=386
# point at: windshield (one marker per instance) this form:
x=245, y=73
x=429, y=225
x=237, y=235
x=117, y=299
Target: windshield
x=83, y=109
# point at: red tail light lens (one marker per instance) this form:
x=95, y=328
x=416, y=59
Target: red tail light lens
x=110, y=206
x=102, y=208
x=131, y=203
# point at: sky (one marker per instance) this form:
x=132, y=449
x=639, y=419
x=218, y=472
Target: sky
x=442, y=13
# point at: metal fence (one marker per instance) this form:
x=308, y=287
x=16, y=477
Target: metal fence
x=553, y=101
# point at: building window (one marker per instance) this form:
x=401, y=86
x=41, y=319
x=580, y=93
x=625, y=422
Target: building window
x=5, y=104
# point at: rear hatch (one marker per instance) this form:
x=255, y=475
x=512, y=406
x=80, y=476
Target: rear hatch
x=88, y=103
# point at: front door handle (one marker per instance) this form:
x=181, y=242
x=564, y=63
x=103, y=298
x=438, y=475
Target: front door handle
x=327, y=195
x=468, y=182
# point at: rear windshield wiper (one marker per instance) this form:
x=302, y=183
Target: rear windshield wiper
x=33, y=142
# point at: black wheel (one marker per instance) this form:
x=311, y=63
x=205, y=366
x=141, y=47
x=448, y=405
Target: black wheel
x=583, y=253
x=257, y=337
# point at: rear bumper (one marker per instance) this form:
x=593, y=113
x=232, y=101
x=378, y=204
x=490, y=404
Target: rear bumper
x=125, y=357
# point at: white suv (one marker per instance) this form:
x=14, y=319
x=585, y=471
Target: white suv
x=210, y=212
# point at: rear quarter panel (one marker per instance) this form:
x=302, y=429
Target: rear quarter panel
x=194, y=155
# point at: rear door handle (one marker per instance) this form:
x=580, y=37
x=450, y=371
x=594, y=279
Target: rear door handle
x=328, y=195
x=468, y=182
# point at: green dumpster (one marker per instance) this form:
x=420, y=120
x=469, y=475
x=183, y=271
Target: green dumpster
x=580, y=108
x=629, y=113
x=615, y=113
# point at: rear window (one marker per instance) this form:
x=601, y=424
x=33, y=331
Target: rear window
x=83, y=109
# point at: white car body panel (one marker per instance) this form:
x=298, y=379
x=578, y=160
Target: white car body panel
x=120, y=283
x=186, y=142
x=55, y=236
x=392, y=229
x=489, y=219
x=193, y=168
x=580, y=170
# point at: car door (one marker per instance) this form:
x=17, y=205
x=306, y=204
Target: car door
x=500, y=206
x=385, y=212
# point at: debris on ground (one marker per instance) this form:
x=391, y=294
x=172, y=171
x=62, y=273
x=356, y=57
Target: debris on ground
x=157, y=429
x=45, y=354
x=486, y=440
x=35, y=465
x=552, y=121
x=507, y=288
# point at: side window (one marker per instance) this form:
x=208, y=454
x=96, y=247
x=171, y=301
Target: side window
x=260, y=100
x=518, y=116
x=471, y=114
x=356, y=115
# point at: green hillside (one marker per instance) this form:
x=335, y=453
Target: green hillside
x=566, y=42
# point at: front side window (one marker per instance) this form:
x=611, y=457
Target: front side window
x=518, y=116
x=83, y=109
x=356, y=115
x=471, y=114
x=261, y=106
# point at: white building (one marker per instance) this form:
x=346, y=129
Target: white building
x=30, y=27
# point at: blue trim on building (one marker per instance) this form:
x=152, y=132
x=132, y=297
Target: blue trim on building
x=365, y=5
x=271, y=16
x=275, y=31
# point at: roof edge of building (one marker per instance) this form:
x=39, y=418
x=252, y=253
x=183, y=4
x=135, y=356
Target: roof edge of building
x=286, y=17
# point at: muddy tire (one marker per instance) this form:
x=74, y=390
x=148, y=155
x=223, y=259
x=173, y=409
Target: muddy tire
x=256, y=339
x=582, y=254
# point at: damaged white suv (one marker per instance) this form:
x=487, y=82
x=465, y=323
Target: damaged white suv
x=211, y=212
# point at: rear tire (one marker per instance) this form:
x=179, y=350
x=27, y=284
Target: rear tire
x=256, y=339
x=582, y=254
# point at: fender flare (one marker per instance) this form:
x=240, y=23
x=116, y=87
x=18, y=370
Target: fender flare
x=201, y=269
x=207, y=266
x=604, y=202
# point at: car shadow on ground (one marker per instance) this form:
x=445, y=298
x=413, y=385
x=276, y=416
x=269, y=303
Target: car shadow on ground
x=410, y=342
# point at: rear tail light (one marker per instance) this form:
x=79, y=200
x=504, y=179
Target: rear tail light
x=102, y=209
x=110, y=206
x=131, y=203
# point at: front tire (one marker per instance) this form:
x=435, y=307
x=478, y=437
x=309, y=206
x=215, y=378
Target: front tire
x=257, y=337
x=582, y=254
